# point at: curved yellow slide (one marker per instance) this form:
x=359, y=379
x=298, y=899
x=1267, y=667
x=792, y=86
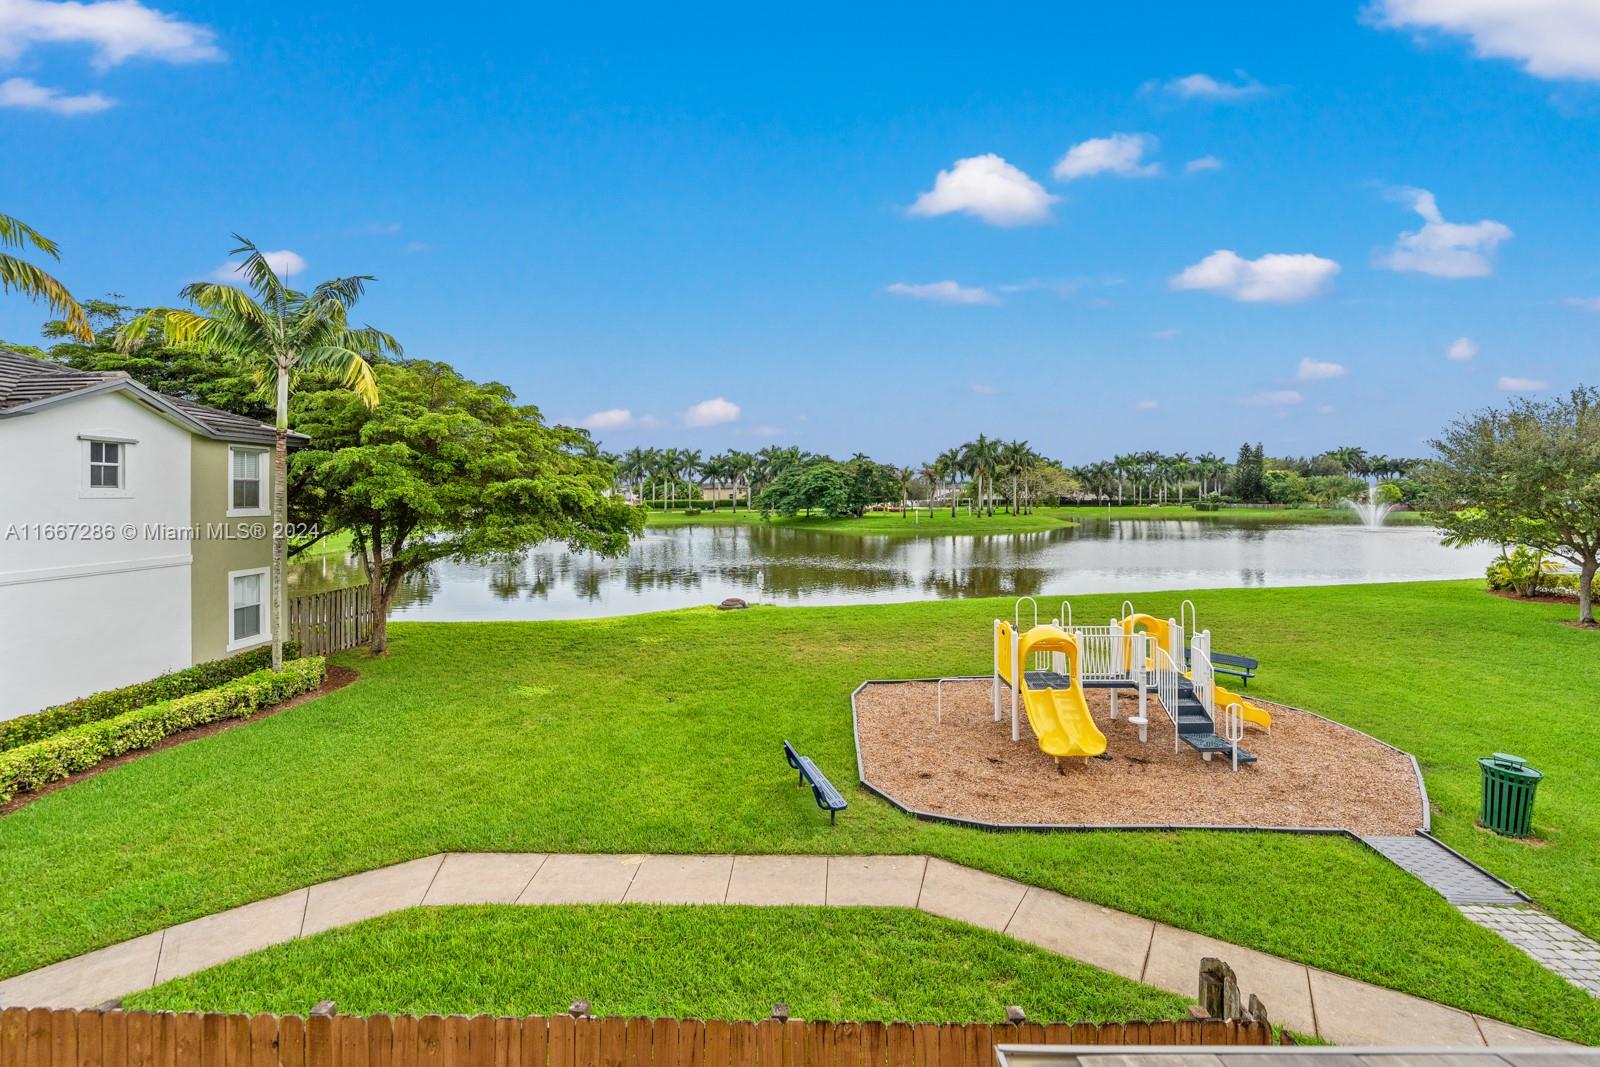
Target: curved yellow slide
x=1250, y=712
x=1060, y=718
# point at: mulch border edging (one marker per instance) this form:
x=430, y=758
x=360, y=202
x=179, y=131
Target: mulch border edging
x=337, y=677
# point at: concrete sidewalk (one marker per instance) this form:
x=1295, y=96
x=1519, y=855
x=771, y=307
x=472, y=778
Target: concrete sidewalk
x=1305, y=999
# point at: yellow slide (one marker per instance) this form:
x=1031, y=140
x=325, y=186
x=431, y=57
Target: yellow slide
x=1250, y=712
x=1059, y=717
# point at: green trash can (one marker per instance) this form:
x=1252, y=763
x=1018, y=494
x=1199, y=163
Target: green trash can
x=1508, y=787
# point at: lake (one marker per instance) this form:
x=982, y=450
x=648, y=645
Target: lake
x=696, y=565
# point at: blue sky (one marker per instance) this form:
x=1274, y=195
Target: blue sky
x=1168, y=226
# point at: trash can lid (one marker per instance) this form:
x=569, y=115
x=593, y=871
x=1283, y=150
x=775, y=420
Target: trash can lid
x=1508, y=760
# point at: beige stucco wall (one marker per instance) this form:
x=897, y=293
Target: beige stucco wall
x=215, y=557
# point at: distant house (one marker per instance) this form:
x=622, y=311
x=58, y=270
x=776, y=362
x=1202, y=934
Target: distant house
x=135, y=533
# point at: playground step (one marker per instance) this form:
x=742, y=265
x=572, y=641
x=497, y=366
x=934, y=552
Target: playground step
x=1212, y=743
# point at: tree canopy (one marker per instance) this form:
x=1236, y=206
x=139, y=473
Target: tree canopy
x=447, y=468
x=1525, y=475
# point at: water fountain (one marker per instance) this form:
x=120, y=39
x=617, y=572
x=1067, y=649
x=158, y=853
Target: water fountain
x=1371, y=511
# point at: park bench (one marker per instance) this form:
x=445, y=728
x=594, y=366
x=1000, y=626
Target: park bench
x=1239, y=666
x=829, y=799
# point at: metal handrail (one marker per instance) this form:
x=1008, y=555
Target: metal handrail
x=1168, y=677
x=1016, y=611
x=1066, y=613
x=1230, y=727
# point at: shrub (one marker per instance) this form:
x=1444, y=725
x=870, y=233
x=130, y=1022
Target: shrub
x=81, y=747
x=41, y=724
x=1206, y=505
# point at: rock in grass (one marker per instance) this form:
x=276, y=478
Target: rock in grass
x=733, y=603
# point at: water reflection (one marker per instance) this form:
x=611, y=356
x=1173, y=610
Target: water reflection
x=702, y=565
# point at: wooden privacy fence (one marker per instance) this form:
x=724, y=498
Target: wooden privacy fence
x=42, y=1037
x=331, y=621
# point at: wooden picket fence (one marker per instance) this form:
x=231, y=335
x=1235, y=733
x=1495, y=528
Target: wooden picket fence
x=42, y=1037
x=331, y=621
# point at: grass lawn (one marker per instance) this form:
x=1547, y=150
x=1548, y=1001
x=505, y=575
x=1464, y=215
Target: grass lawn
x=875, y=524
x=695, y=962
x=1240, y=514
x=661, y=733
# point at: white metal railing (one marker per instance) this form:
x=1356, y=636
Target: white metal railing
x=1168, y=679
x=1201, y=674
x=1016, y=611
x=1066, y=614
x=1230, y=727
x=1188, y=617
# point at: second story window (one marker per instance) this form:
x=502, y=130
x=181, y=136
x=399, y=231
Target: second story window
x=248, y=482
x=105, y=465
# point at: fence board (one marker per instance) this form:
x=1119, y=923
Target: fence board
x=291, y=1041
x=114, y=1038
x=89, y=1039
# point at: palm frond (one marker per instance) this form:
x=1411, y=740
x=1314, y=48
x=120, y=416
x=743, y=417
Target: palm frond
x=344, y=291
x=347, y=362
x=36, y=284
x=14, y=233
x=220, y=299
x=262, y=278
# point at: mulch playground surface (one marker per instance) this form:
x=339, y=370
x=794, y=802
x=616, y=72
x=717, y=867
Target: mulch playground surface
x=1312, y=773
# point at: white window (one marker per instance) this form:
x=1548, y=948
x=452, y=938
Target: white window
x=105, y=465
x=104, y=462
x=247, y=608
x=247, y=481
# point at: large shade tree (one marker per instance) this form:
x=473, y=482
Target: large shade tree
x=17, y=274
x=1528, y=474
x=447, y=468
x=278, y=333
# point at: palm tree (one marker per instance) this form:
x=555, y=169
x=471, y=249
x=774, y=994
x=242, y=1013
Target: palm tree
x=279, y=333
x=634, y=467
x=689, y=468
x=741, y=465
x=982, y=458
x=34, y=283
x=718, y=469
x=933, y=475
x=905, y=476
x=948, y=463
x=1014, y=458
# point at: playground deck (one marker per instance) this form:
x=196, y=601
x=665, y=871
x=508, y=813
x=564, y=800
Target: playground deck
x=1313, y=773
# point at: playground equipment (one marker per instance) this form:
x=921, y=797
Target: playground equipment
x=1047, y=668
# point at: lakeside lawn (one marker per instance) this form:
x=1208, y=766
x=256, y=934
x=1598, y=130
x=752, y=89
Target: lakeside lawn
x=662, y=732
x=707, y=962
x=873, y=524
x=941, y=523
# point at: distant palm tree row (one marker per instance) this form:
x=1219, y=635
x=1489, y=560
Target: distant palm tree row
x=986, y=473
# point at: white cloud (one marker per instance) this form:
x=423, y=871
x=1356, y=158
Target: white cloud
x=1521, y=385
x=1271, y=398
x=1461, y=349
x=1121, y=154
x=29, y=95
x=283, y=263
x=609, y=419
x=1441, y=248
x=115, y=30
x=713, y=412
x=1316, y=370
x=648, y=422
x=414, y=247
x=988, y=187
x=1550, y=38
x=946, y=292
x=1278, y=278
x=1585, y=303
x=1146, y=405
x=1166, y=335
x=1195, y=166
x=1325, y=409
x=981, y=389
x=1205, y=87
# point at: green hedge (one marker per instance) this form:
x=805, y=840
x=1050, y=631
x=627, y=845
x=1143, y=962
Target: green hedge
x=81, y=747
x=26, y=729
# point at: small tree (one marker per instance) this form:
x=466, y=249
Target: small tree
x=447, y=468
x=1527, y=475
x=30, y=281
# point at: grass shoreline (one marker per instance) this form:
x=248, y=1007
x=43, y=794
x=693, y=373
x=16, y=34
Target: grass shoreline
x=660, y=733
x=940, y=522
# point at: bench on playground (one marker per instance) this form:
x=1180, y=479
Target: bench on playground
x=829, y=799
x=1239, y=666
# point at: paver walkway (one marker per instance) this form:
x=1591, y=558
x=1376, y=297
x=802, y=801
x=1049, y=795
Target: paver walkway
x=1486, y=901
x=1303, y=998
